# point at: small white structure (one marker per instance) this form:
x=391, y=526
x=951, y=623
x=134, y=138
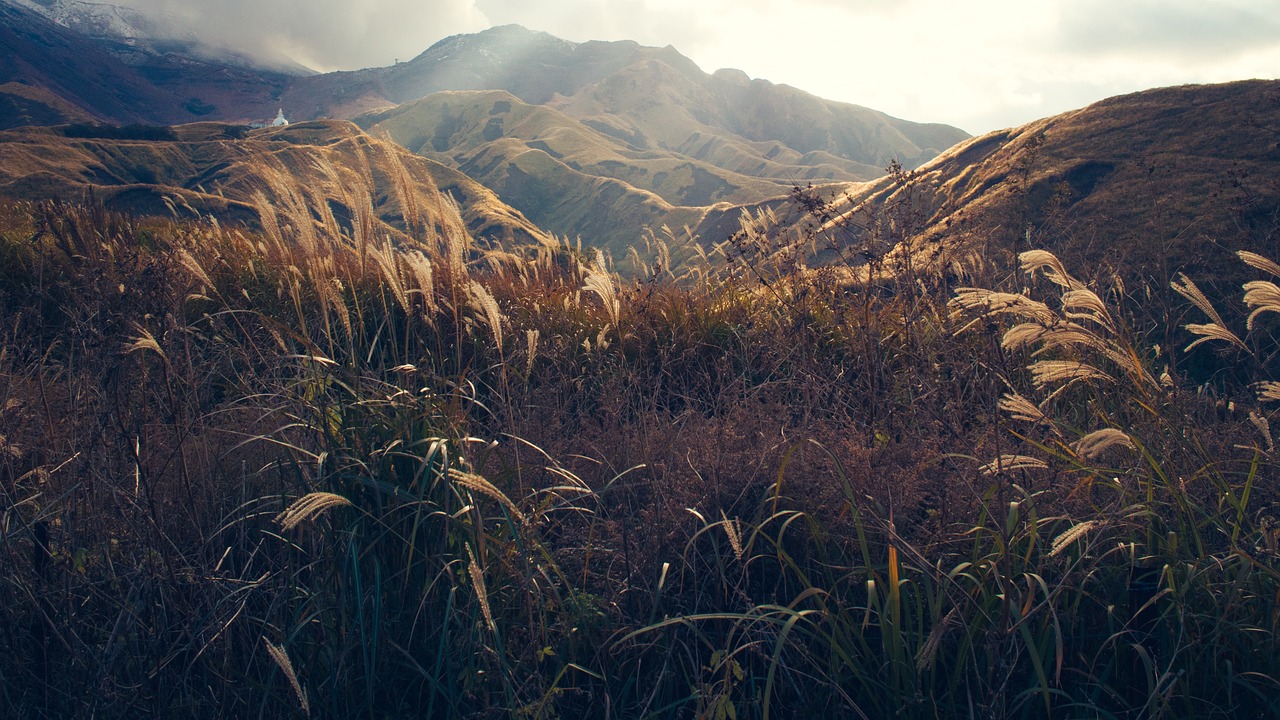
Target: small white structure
x=279, y=118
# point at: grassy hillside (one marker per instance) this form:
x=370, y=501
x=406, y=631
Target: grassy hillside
x=454, y=126
x=22, y=104
x=243, y=475
x=566, y=177
x=296, y=181
x=1131, y=191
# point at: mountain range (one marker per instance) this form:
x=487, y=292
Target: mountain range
x=596, y=139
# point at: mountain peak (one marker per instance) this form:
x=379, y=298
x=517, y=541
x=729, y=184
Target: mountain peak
x=498, y=36
x=732, y=75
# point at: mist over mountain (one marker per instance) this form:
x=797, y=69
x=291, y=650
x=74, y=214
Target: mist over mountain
x=135, y=30
x=616, y=124
x=596, y=139
x=51, y=74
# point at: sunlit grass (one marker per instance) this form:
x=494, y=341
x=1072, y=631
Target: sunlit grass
x=316, y=472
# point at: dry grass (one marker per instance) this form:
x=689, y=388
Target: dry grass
x=469, y=481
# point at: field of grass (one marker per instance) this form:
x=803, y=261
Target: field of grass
x=257, y=475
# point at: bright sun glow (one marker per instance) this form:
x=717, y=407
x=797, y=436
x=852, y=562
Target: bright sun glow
x=979, y=65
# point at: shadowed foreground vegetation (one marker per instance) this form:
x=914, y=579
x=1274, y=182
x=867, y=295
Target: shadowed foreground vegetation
x=252, y=476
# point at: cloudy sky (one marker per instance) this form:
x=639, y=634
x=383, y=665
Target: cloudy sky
x=977, y=64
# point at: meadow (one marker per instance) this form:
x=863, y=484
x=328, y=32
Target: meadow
x=304, y=471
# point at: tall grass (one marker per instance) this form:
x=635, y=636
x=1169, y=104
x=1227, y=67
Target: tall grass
x=314, y=472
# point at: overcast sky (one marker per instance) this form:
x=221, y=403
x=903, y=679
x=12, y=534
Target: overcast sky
x=976, y=64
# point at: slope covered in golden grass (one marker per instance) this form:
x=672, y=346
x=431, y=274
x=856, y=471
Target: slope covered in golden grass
x=22, y=104
x=566, y=177
x=1142, y=185
x=297, y=180
x=457, y=126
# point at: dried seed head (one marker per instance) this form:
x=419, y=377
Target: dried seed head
x=1212, y=331
x=1045, y=372
x=309, y=506
x=735, y=534
x=145, y=341
x=1263, y=296
x=1050, y=266
x=929, y=652
x=1009, y=463
x=1264, y=428
x=491, y=313
x=1097, y=442
x=476, y=483
x=281, y=659
x=1075, y=532
x=1259, y=262
x=531, y=349
x=989, y=302
x=1215, y=330
x=1020, y=408
x=482, y=593
x=1083, y=303
x=1268, y=390
x=602, y=285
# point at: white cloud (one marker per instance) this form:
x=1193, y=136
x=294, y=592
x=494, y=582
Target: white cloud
x=1176, y=31
x=322, y=34
x=979, y=64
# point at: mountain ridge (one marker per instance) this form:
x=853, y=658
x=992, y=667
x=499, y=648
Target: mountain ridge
x=640, y=135
x=1129, y=192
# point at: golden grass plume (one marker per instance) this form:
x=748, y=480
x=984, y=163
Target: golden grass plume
x=476, y=483
x=281, y=659
x=309, y=506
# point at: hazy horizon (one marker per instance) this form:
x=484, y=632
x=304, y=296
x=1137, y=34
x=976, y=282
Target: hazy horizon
x=979, y=66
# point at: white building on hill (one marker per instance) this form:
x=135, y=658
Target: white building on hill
x=280, y=121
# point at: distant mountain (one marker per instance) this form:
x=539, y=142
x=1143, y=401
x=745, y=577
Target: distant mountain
x=93, y=19
x=50, y=74
x=601, y=139
x=648, y=97
x=597, y=140
x=133, y=36
x=291, y=180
